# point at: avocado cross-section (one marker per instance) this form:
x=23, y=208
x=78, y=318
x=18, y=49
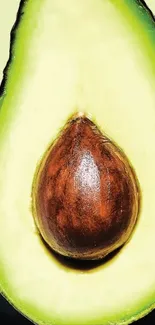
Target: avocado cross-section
x=78, y=65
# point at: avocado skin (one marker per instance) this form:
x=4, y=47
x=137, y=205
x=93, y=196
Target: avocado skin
x=12, y=42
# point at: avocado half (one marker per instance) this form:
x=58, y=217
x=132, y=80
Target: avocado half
x=98, y=58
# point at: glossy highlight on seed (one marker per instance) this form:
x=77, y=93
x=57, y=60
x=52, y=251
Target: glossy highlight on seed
x=85, y=193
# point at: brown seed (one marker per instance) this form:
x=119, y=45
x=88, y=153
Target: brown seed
x=85, y=195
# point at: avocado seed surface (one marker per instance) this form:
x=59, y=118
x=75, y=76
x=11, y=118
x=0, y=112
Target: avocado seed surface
x=85, y=197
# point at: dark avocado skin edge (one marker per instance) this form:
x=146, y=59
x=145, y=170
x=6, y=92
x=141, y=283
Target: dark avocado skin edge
x=14, y=29
x=143, y=4
x=148, y=316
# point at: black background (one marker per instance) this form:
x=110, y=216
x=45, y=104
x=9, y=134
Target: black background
x=9, y=315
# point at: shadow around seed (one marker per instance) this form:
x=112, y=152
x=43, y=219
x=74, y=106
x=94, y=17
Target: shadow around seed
x=79, y=265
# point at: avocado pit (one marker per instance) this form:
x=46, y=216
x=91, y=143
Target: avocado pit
x=85, y=194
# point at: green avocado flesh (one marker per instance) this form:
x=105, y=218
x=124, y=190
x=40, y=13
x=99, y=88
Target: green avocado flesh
x=98, y=58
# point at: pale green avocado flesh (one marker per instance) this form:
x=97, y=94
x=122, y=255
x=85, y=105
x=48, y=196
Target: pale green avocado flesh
x=95, y=57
